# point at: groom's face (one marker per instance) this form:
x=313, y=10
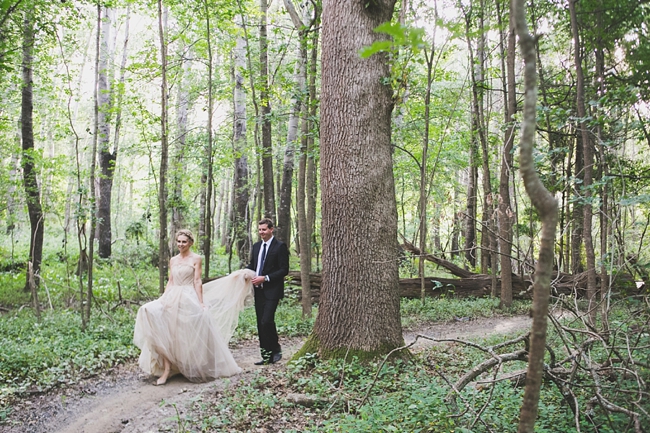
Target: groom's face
x=265, y=232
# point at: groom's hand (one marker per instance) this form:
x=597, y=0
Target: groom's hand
x=257, y=281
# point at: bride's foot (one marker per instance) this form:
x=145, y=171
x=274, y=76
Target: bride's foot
x=167, y=368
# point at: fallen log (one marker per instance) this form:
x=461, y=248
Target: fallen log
x=480, y=285
x=451, y=267
x=476, y=286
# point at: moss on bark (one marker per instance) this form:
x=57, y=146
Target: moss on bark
x=312, y=345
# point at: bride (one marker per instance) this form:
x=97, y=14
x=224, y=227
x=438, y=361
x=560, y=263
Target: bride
x=187, y=329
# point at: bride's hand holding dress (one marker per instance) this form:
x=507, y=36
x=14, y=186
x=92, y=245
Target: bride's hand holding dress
x=190, y=324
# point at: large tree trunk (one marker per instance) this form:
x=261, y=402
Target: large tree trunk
x=546, y=205
x=30, y=182
x=240, y=215
x=267, y=146
x=588, y=154
x=359, y=307
x=163, y=253
x=106, y=157
x=505, y=210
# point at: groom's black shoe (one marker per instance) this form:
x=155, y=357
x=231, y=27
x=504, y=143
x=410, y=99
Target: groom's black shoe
x=275, y=357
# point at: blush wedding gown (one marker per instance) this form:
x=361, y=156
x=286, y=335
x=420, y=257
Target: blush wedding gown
x=194, y=339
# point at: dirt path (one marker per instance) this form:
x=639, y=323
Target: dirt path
x=125, y=400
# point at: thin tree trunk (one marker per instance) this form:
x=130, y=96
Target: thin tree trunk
x=178, y=168
x=267, y=147
x=118, y=105
x=312, y=164
x=89, y=257
x=545, y=203
x=30, y=181
x=505, y=209
x=163, y=259
x=588, y=155
x=577, y=213
x=457, y=223
x=604, y=214
x=207, y=240
x=470, y=212
x=11, y=191
x=422, y=207
x=240, y=217
x=106, y=157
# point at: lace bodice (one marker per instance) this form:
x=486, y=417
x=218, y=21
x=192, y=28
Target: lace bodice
x=183, y=275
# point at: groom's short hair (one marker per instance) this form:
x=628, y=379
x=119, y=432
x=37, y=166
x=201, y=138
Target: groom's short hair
x=267, y=221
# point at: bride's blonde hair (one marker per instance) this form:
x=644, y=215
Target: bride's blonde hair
x=185, y=232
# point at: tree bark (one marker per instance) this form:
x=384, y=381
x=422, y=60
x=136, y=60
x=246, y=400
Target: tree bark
x=588, y=154
x=28, y=164
x=302, y=106
x=311, y=183
x=470, y=212
x=265, y=120
x=359, y=307
x=283, y=228
x=240, y=215
x=163, y=251
x=545, y=203
x=505, y=209
x=106, y=157
x=182, y=108
x=422, y=207
x=207, y=240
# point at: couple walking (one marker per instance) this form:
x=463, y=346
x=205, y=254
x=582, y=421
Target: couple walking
x=187, y=329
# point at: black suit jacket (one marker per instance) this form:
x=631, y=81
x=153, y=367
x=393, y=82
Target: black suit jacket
x=276, y=267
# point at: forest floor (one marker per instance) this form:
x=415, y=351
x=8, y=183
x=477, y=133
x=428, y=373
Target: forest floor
x=123, y=399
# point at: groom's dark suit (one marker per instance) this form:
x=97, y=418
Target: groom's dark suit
x=268, y=295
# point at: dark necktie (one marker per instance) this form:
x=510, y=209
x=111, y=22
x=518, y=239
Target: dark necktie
x=263, y=258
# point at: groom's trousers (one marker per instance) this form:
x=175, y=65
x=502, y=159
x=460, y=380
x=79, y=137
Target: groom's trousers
x=266, y=329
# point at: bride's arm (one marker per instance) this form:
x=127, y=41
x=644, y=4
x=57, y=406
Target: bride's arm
x=198, y=285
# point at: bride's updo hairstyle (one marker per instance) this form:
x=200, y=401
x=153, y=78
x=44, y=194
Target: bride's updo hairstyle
x=185, y=232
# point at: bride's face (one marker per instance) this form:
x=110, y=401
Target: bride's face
x=183, y=243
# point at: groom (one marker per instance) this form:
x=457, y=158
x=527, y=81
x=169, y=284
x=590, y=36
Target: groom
x=270, y=261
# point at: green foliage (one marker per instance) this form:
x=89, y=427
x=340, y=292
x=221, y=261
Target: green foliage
x=415, y=312
x=402, y=36
x=288, y=318
x=54, y=352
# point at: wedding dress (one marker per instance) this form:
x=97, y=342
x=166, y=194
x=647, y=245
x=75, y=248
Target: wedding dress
x=193, y=338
